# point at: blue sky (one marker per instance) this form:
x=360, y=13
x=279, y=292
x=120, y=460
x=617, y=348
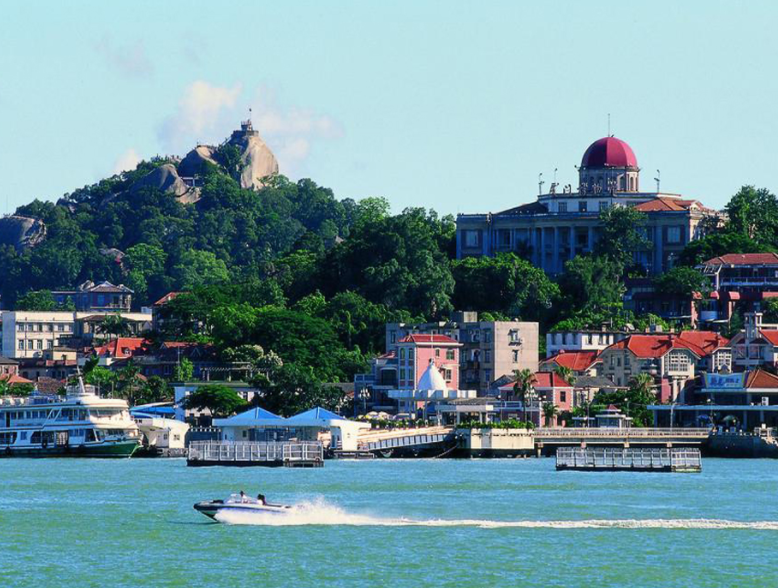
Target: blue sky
x=456, y=106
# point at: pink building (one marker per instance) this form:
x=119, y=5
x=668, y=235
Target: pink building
x=414, y=353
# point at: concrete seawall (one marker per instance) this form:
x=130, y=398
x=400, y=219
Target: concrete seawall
x=496, y=442
x=744, y=446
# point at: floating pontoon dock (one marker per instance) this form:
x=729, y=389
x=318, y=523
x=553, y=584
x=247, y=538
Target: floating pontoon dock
x=630, y=460
x=249, y=453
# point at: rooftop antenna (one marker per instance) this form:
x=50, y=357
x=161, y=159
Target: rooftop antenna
x=609, y=125
x=555, y=175
x=657, y=180
x=540, y=183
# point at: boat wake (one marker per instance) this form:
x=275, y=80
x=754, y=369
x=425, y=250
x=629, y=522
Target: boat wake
x=321, y=513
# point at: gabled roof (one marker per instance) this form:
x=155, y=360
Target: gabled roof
x=253, y=417
x=14, y=379
x=317, y=413
x=577, y=361
x=769, y=335
x=420, y=339
x=167, y=298
x=530, y=208
x=708, y=341
x=665, y=204
x=648, y=346
x=759, y=378
x=122, y=347
x=542, y=380
x=550, y=380
x=744, y=259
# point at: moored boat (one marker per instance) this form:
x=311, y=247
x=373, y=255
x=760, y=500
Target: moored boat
x=79, y=425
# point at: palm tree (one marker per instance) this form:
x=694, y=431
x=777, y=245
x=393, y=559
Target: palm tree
x=522, y=386
x=115, y=325
x=567, y=374
x=642, y=382
x=549, y=412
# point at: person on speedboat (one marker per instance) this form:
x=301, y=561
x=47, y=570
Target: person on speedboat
x=243, y=498
x=261, y=499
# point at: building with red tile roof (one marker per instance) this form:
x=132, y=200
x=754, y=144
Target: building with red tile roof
x=673, y=360
x=745, y=280
x=565, y=221
x=582, y=363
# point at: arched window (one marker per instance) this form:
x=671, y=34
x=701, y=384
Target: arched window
x=402, y=353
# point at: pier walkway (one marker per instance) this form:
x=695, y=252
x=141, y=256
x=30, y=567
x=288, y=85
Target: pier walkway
x=636, y=460
x=388, y=440
x=552, y=438
x=250, y=453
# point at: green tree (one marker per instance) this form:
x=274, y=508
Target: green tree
x=550, y=412
x=621, y=234
x=682, y=282
x=41, y=301
x=720, y=243
x=184, y=370
x=115, y=325
x=567, y=374
x=291, y=389
x=220, y=400
x=592, y=284
x=506, y=284
x=197, y=268
x=102, y=378
x=754, y=213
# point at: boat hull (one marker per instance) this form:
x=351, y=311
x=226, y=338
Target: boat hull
x=118, y=449
x=213, y=507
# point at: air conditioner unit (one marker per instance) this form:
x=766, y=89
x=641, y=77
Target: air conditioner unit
x=765, y=401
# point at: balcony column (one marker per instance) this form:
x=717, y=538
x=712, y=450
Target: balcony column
x=572, y=242
x=543, y=248
x=591, y=238
x=658, y=253
x=556, y=264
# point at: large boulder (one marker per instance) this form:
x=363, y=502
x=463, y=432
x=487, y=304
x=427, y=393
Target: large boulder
x=195, y=161
x=166, y=178
x=21, y=231
x=257, y=158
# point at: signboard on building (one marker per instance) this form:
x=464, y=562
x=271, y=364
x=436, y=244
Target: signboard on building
x=724, y=381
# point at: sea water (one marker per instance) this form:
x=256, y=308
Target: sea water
x=130, y=522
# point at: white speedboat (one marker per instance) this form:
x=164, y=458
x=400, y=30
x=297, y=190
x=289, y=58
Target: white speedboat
x=241, y=504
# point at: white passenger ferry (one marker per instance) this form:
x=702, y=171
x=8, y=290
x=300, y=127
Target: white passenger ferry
x=80, y=425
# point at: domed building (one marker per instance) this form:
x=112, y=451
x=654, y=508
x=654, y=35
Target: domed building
x=564, y=222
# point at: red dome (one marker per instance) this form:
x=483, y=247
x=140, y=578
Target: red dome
x=609, y=152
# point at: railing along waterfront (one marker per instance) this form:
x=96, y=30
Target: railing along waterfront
x=673, y=459
x=616, y=432
x=226, y=452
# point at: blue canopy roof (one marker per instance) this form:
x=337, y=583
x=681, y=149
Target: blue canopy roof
x=318, y=413
x=252, y=417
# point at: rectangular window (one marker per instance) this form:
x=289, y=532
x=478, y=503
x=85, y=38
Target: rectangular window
x=49, y=344
x=437, y=353
x=504, y=237
x=679, y=362
x=604, y=205
x=393, y=337
x=563, y=207
x=29, y=344
x=60, y=328
x=515, y=356
x=562, y=396
x=472, y=238
x=19, y=327
x=447, y=375
x=673, y=234
x=21, y=345
x=38, y=344
x=402, y=375
x=450, y=354
x=487, y=376
x=582, y=206
x=487, y=355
